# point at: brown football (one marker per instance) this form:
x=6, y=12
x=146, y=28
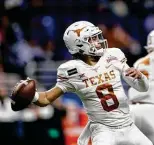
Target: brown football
x=23, y=95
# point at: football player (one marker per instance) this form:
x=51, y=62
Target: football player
x=142, y=106
x=94, y=74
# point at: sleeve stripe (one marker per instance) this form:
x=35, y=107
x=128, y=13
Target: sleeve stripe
x=62, y=78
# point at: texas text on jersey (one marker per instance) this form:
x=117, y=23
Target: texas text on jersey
x=99, y=87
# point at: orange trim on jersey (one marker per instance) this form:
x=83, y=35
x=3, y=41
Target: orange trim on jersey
x=145, y=61
x=62, y=78
x=145, y=73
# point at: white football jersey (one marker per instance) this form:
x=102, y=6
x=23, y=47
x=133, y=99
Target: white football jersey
x=99, y=87
x=146, y=66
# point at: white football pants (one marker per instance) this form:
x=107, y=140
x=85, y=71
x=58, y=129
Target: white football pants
x=143, y=117
x=103, y=135
x=131, y=135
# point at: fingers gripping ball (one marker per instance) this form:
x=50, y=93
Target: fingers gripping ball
x=23, y=94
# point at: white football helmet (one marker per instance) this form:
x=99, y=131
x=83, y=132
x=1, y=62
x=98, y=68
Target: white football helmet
x=150, y=42
x=77, y=35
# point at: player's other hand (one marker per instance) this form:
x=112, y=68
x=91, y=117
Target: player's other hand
x=133, y=72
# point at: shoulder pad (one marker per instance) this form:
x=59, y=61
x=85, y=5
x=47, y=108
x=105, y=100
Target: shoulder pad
x=67, y=69
x=116, y=53
x=142, y=61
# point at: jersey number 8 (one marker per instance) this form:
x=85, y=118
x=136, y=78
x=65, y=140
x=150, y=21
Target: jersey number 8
x=106, y=97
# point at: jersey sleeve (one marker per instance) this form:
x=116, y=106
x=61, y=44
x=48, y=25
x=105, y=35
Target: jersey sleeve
x=121, y=56
x=120, y=63
x=141, y=85
x=118, y=59
x=136, y=96
x=64, y=81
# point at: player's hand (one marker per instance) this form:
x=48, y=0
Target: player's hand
x=132, y=72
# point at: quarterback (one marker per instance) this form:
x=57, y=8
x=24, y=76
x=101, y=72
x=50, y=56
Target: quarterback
x=142, y=106
x=95, y=75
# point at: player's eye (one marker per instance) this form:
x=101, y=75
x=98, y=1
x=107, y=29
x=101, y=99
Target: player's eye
x=94, y=38
x=89, y=39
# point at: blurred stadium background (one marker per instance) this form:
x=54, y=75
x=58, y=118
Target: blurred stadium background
x=31, y=44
